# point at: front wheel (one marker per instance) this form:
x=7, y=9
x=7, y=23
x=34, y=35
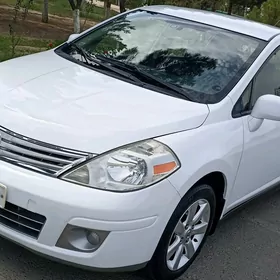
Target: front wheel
x=184, y=235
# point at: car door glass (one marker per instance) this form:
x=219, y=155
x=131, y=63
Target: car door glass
x=242, y=106
x=267, y=80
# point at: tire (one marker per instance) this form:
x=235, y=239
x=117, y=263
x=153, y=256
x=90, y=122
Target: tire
x=164, y=266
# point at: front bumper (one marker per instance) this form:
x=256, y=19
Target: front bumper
x=135, y=220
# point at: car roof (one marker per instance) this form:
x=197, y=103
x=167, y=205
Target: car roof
x=233, y=23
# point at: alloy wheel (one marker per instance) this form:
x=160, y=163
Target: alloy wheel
x=188, y=234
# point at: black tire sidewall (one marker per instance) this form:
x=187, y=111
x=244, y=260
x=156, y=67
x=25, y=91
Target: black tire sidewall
x=157, y=266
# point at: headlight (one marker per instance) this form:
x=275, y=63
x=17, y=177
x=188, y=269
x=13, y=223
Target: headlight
x=129, y=168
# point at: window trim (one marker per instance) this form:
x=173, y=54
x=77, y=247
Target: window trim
x=252, y=81
x=243, y=112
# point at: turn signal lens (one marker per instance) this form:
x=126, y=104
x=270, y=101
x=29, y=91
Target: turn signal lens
x=164, y=168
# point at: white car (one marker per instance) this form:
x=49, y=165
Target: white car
x=125, y=146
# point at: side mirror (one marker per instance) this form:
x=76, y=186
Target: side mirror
x=72, y=37
x=267, y=107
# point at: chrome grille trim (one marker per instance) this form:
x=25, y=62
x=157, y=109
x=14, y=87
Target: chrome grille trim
x=22, y=220
x=37, y=155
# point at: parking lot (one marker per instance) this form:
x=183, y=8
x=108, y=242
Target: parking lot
x=245, y=246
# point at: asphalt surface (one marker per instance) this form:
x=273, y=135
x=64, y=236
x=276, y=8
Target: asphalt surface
x=245, y=246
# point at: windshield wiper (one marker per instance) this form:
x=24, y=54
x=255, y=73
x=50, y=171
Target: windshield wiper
x=100, y=59
x=94, y=60
x=137, y=70
x=80, y=51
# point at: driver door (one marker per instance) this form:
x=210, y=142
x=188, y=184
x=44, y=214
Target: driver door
x=260, y=162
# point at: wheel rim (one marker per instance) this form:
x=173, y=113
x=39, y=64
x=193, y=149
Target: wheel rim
x=188, y=234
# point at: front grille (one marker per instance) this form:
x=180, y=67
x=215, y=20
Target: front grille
x=36, y=155
x=22, y=220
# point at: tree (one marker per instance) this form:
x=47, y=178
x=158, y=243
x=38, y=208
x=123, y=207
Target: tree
x=76, y=6
x=258, y=3
x=107, y=8
x=45, y=12
x=21, y=10
x=230, y=7
x=110, y=41
x=213, y=7
x=179, y=64
x=268, y=13
x=122, y=6
x=255, y=14
x=205, y=4
x=239, y=7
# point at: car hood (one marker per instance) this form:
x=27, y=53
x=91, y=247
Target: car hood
x=48, y=98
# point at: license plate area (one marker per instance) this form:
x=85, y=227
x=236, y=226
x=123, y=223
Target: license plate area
x=3, y=195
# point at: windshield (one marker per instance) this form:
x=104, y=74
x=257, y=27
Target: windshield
x=204, y=61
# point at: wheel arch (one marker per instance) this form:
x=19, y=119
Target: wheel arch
x=217, y=180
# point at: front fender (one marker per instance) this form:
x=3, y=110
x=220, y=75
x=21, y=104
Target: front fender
x=209, y=148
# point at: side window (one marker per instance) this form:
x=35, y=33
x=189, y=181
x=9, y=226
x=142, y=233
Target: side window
x=242, y=107
x=267, y=81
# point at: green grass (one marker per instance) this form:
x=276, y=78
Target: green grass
x=4, y=48
x=56, y=7
x=25, y=46
x=62, y=8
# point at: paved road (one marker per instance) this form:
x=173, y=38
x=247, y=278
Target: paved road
x=246, y=246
